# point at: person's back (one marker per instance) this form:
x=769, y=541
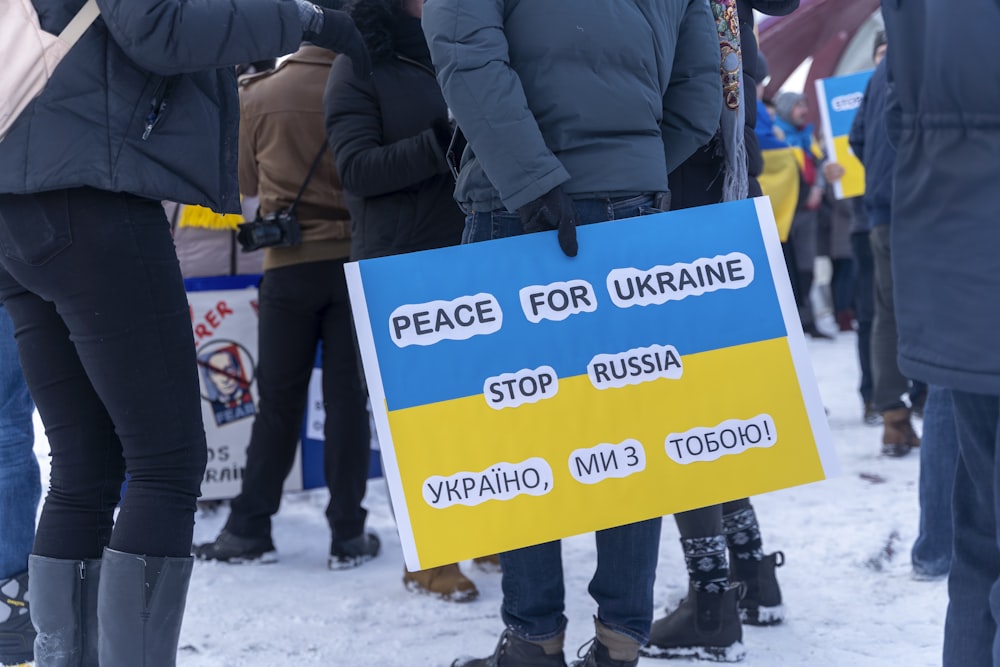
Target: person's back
x=281, y=117
x=575, y=113
x=141, y=110
x=302, y=301
x=594, y=76
x=946, y=128
x=944, y=119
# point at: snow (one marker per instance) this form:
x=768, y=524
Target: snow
x=848, y=591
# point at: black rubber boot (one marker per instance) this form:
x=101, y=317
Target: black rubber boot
x=140, y=609
x=64, y=611
x=761, y=605
x=680, y=633
x=512, y=651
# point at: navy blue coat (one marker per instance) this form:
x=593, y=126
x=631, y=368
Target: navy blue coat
x=870, y=142
x=146, y=101
x=945, y=123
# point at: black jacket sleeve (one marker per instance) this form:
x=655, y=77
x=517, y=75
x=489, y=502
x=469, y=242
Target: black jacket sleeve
x=367, y=166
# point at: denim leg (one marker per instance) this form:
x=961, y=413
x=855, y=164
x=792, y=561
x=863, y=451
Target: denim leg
x=533, y=591
x=931, y=554
x=970, y=635
x=20, y=487
x=623, y=582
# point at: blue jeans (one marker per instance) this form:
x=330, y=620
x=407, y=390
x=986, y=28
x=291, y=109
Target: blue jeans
x=931, y=554
x=622, y=585
x=970, y=634
x=20, y=487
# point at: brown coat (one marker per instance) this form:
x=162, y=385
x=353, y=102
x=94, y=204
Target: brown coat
x=281, y=131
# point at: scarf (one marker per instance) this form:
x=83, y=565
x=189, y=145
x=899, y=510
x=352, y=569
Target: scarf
x=735, y=183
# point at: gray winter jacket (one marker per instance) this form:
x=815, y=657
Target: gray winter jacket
x=583, y=94
x=138, y=105
x=945, y=123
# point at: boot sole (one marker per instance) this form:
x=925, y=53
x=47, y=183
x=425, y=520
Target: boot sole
x=736, y=652
x=763, y=616
x=895, y=451
x=455, y=596
x=348, y=563
x=266, y=558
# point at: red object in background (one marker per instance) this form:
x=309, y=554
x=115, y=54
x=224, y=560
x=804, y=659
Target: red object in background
x=818, y=28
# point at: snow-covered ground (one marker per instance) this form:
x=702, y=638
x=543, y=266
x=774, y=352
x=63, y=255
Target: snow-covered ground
x=850, y=599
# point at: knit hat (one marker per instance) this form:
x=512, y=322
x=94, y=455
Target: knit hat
x=879, y=41
x=784, y=102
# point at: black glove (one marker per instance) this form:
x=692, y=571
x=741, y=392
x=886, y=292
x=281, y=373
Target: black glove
x=443, y=130
x=553, y=210
x=339, y=34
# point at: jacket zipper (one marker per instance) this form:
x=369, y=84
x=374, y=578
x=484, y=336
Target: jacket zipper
x=157, y=106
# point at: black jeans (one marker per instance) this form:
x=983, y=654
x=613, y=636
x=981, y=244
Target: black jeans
x=864, y=307
x=301, y=305
x=93, y=286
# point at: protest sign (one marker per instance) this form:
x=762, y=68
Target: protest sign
x=224, y=324
x=839, y=99
x=523, y=396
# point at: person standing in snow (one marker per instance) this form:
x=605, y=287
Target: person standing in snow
x=302, y=302
x=870, y=142
x=142, y=109
x=390, y=135
x=945, y=125
x=708, y=622
x=575, y=113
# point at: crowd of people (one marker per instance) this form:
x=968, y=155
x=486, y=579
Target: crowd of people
x=395, y=126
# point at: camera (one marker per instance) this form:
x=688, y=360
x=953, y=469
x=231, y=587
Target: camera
x=278, y=229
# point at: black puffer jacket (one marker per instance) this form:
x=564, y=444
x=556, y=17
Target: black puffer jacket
x=391, y=161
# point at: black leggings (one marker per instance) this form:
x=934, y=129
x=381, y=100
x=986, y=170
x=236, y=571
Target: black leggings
x=92, y=283
x=707, y=521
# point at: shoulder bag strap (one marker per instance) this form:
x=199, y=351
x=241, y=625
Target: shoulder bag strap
x=312, y=170
x=79, y=23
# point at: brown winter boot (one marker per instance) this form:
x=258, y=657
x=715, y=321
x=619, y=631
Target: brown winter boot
x=446, y=582
x=898, y=436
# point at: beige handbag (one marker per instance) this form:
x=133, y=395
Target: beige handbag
x=31, y=54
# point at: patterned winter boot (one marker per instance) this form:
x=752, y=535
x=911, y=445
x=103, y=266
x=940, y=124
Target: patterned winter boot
x=761, y=603
x=17, y=637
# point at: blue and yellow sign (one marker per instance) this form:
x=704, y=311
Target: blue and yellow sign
x=522, y=396
x=839, y=98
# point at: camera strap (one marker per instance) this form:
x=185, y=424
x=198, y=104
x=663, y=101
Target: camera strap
x=312, y=170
